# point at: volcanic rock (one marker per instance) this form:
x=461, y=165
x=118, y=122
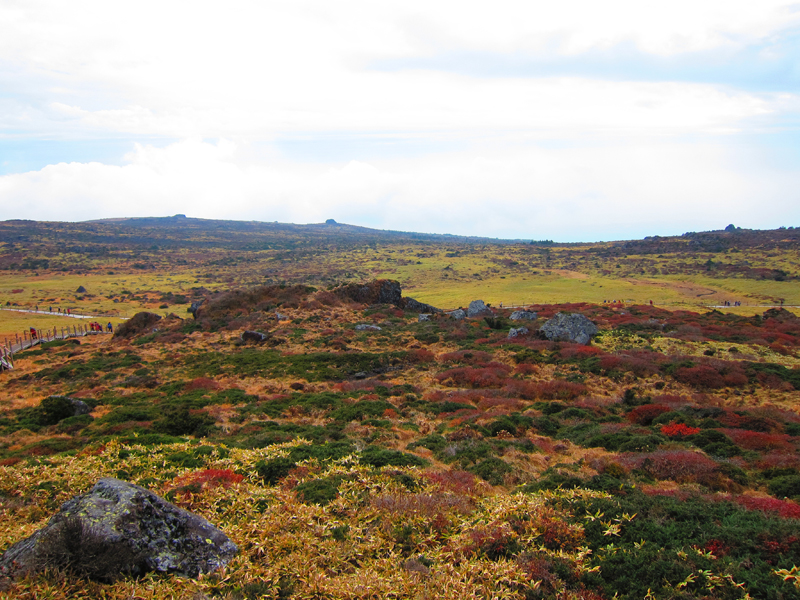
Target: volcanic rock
x=119, y=529
x=569, y=327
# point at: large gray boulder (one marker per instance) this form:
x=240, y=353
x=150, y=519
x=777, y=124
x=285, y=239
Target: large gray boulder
x=517, y=332
x=416, y=306
x=477, y=308
x=569, y=327
x=119, y=529
x=523, y=315
x=458, y=314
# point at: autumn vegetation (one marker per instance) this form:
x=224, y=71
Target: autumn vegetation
x=424, y=459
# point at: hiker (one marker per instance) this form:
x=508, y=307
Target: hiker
x=110, y=329
x=33, y=333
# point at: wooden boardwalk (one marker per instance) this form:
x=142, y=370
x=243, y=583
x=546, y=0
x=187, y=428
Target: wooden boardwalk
x=31, y=338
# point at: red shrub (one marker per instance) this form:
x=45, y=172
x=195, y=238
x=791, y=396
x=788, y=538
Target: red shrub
x=579, y=351
x=526, y=369
x=701, y=376
x=678, y=430
x=640, y=365
x=755, y=440
x=746, y=421
x=683, y=466
x=485, y=377
x=779, y=460
x=455, y=482
x=782, y=508
x=735, y=378
x=644, y=415
x=610, y=362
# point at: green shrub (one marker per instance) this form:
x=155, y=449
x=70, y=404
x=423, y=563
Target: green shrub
x=381, y=457
x=787, y=486
x=492, y=470
x=272, y=471
x=715, y=443
x=319, y=491
x=54, y=409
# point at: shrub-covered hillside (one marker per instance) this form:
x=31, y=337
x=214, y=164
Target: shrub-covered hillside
x=355, y=450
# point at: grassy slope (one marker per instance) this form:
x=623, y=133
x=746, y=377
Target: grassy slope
x=259, y=399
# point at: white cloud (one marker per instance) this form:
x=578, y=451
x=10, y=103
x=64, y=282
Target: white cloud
x=536, y=156
x=568, y=194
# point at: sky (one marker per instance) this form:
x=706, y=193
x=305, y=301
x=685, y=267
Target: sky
x=571, y=121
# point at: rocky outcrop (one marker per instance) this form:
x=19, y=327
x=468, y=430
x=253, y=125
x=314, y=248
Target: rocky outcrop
x=569, y=327
x=141, y=323
x=518, y=331
x=424, y=317
x=458, y=314
x=194, y=309
x=477, y=308
x=254, y=336
x=416, y=306
x=523, y=315
x=119, y=529
x=379, y=291
x=367, y=327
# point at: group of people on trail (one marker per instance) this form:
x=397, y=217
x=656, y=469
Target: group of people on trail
x=93, y=326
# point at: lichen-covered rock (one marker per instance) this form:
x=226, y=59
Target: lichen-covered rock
x=424, y=317
x=523, y=315
x=569, y=327
x=367, y=327
x=119, y=529
x=458, y=314
x=518, y=331
x=477, y=308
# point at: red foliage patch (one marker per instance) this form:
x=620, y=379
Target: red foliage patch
x=716, y=547
x=455, y=482
x=683, y=466
x=755, y=440
x=701, y=376
x=782, y=508
x=485, y=377
x=678, y=430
